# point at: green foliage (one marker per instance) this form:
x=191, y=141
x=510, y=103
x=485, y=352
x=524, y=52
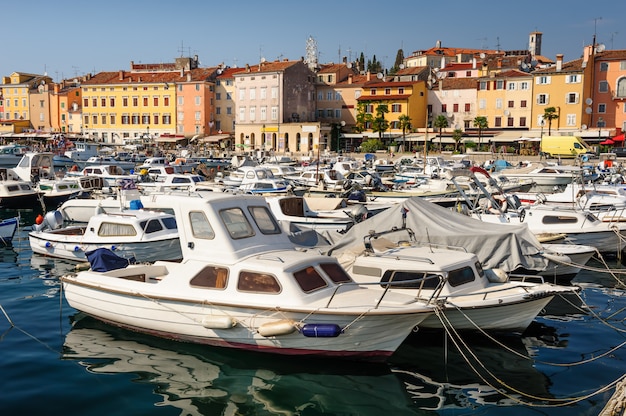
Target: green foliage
x=362, y=118
x=457, y=136
x=550, y=114
x=399, y=60
x=470, y=144
x=372, y=145
x=379, y=123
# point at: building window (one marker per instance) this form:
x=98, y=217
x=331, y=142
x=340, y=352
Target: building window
x=500, y=84
x=135, y=101
x=329, y=95
x=604, y=66
x=112, y=118
x=543, y=80
x=253, y=93
x=468, y=107
x=242, y=113
x=103, y=102
x=401, y=90
x=522, y=104
x=573, y=79
x=510, y=86
x=522, y=121
x=483, y=85
x=542, y=99
x=510, y=122
x=523, y=85
x=498, y=103
x=94, y=102
x=601, y=108
x=510, y=104
x=571, y=98
x=274, y=113
x=444, y=108
x=252, y=113
x=145, y=101
x=498, y=122
x=263, y=93
x=571, y=120
x=455, y=108
x=482, y=104
x=125, y=119
x=387, y=91
x=181, y=100
x=274, y=92
x=603, y=86
x=167, y=119
x=263, y=113
x=373, y=91
x=229, y=110
x=155, y=119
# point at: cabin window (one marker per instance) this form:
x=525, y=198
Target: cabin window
x=336, y=273
x=414, y=280
x=559, y=219
x=309, y=279
x=151, y=226
x=264, y=220
x=461, y=276
x=200, y=226
x=257, y=282
x=236, y=223
x=110, y=229
x=210, y=277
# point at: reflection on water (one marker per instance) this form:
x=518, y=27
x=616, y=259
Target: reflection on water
x=438, y=376
x=204, y=380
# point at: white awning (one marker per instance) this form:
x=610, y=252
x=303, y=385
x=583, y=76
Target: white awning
x=215, y=138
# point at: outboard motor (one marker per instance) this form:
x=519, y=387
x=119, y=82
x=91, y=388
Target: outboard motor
x=52, y=220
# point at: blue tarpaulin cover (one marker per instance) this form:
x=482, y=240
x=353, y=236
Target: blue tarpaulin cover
x=103, y=260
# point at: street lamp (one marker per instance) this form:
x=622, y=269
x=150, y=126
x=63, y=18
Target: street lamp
x=600, y=124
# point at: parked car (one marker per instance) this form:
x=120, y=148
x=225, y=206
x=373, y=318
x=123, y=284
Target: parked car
x=619, y=151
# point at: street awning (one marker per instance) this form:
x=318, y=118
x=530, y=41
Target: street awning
x=618, y=138
x=169, y=139
x=214, y=138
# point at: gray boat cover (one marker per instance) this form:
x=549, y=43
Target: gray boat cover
x=497, y=246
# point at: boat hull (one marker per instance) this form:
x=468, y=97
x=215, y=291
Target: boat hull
x=134, y=306
x=49, y=244
x=7, y=229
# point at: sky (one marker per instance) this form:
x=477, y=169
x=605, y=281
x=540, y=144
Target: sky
x=66, y=39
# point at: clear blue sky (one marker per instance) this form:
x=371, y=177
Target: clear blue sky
x=69, y=38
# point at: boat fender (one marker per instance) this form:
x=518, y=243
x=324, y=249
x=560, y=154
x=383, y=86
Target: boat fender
x=46, y=244
x=282, y=327
x=76, y=248
x=585, y=158
x=321, y=330
x=496, y=275
x=218, y=322
x=113, y=248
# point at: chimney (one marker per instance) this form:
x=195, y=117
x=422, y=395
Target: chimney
x=559, y=62
x=121, y=74
x=247, y=67
x=350, y=78
x=188, y=76
x=368, y=76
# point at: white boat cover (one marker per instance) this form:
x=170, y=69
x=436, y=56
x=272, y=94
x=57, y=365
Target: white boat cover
x=496, y=246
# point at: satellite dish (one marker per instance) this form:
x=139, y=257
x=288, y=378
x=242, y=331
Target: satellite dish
x=588, y=101
x=40, y=88
x=482, y=55
x=349, y=65
x=584, y=127
x=600, y=48
x=219, y=71
x=507, y=113
x=401, y=66
x=588, y=110
x=379, y=75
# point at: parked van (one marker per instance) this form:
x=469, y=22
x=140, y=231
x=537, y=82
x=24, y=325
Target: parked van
x=565, y=146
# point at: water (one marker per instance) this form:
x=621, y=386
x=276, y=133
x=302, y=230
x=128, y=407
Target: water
x=56, y=362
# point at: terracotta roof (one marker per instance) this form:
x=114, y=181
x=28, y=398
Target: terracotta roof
x=126, y=77
x=358, y=80
x=413, y=70
x=273, y=66
x=229, y=72
x=331, y=68
x=512, y=73
x=613, y=54
x=571, y=66
x=465, y=83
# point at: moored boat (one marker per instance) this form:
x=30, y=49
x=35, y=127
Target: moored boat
x=243, y=284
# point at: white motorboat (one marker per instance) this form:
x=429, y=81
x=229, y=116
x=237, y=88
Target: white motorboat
x=82, y=151
x=8, y=226
x=142, y=234
x=544, y=175
x=243, y=284
x=11, y=154
x=111, y=175
x=176, y=182
x=295, y=211
x=126, y=165
x=15, y=192
x=578, y=226
x=469, y=297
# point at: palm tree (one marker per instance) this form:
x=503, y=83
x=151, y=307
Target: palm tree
x=379, y=124
x=405, y=124
x=550, y=114
x=481, y=123
x=441, y=122
x=457, y=136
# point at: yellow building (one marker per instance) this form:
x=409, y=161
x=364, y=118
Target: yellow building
x=17, y=90
x=562, y=87
x=505, y=99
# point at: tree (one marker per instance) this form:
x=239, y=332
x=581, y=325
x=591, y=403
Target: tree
x=457, y=136
x=361, y=62
x=374, y=65
x=399, y=61
x=372, y=145
x=550, y=114
x=405, y=124
x=481, y=123
x=380, y=124
x=441, y=122
x=363, y=118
